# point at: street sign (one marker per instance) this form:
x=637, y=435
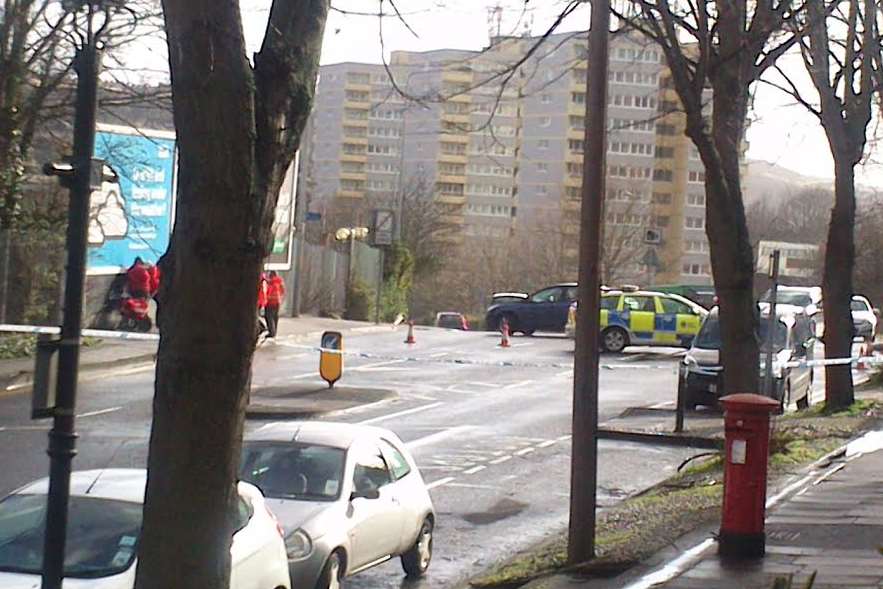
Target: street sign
x=331, y=357
x=384, y=226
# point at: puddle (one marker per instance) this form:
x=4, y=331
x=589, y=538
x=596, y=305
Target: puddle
x=505, y=508
x=870, y=442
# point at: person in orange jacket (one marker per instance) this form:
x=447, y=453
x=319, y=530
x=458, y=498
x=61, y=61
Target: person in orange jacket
x=275, y=293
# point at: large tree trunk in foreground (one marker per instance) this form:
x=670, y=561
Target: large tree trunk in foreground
x=837, y=287
x=237, y=128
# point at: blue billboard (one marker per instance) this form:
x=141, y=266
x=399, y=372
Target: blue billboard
x=131, y=215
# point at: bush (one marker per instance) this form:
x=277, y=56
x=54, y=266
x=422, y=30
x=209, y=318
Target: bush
x=359, y=301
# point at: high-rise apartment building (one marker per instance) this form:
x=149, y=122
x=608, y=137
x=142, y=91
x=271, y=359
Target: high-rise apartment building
x=496, y=137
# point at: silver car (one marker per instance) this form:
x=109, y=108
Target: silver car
x=349, y=497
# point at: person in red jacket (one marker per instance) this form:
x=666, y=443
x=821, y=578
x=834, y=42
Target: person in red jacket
x=154, y=279
x=138, y=279
x=275, y=292
x=262, y=303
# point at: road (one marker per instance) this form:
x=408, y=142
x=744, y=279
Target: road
x=490, y=428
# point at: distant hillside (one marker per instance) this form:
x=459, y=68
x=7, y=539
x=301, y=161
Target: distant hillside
x=767, y=181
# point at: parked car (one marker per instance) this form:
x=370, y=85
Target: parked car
x=864, y=318
x=545, y=310
x=499, y=298
x=451, y=320
x=103, y=529
x=794, y=339
x=809, y=298
x=348, y=497
x=703, y=295
x=645, y=318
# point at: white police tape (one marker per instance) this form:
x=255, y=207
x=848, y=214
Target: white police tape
x=102, y=333
x=830, y=362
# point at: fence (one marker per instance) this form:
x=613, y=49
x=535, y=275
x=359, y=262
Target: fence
x=323, y=276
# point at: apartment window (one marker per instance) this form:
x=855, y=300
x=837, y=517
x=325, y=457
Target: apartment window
x=696, y=177
x=353, y=148
x=572, y=192
x=665, y=152
x=575, y=145
x=352, y=167
x=574, y=169
x=577, y=122
x=546, y=98
x=543, y=144
x=451, y=148
x=346, y=184
x=542, y=167
x=662, y=175
x=661, y=198
x=696, y=269
x=545, y=121
x=696, y=246
x=352, y=114
x=578, y=97
x=665, y=129
x=358, y=78
x=450, y=188
x=660, y=221
x=451, y=169
x=696, y=200
x=358, y=96
x=694, y=222
x=381, y=149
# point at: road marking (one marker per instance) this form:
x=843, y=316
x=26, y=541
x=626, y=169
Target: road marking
x=475, y=469
x=432, y=438
x=401, y=413
x=439, y=483
x=24, y=428
x=663, y=405
x=484, y=384
x=438, y=354
x=473, y=486
x=99, y=412
x=563, y=438
x=524, y=451
x=501, y=459
x=521, y=345
x=378, y=364
x=546, y=444
x=564, y=373
x=519, y=384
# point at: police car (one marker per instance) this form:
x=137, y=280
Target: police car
x=634, y=317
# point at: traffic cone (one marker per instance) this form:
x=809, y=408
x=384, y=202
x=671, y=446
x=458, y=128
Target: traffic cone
x=862, y=354
x=504, y=328
x=410, y=339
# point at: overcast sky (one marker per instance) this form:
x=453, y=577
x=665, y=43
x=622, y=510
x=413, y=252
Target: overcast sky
x=779, y=133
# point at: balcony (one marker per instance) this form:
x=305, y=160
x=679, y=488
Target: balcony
x=457, y=118
x=454, y=136
x=451, y=178
x=457, y=76
x=453, y=158
x=450, y=199
x=353, y=157
x=357, y=104
x=350, y=193
x=574, y=108
x=352, y=175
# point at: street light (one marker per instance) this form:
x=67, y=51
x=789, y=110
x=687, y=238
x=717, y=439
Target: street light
x=350, y=234
x=75, y=174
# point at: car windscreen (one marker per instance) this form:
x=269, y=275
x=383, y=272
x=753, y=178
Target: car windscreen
x=784, y=297
x=857, y=305
x=291, y=470
x=709, y=336
x=102, y=535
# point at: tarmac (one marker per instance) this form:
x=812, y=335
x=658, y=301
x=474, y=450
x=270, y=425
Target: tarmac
x=107, y=356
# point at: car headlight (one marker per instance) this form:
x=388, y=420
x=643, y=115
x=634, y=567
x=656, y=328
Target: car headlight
x=298, y=545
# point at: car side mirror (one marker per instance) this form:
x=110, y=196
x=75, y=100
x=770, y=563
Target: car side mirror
x=366, y=494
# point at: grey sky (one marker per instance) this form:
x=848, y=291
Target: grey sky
x=779, y=133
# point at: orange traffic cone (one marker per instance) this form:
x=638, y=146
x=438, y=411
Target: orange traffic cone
x=862, y=354
x=410, y=339
x=504, y=328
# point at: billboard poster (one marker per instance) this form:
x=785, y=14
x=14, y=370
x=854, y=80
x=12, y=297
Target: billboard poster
x=283, y=222
x=131, y=215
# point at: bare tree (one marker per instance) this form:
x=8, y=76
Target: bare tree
x=723, y=46
x=238, y=126
x=843, y=56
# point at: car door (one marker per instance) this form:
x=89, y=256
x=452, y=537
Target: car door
x=408, y=489
x=640, y=312
x=678, y=323
x=541, y=312
x=375, y=522
x=246, y=565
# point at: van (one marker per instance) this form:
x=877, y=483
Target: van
x=700, y=371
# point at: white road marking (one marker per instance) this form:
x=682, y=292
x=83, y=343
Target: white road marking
x=475, y=469
x=501, y=459
x=99, y=412
x=439, y=483
x=377, y=364
x=663, y=405
x=489, y=385
x=519, y=384
x=563, y=438
x=438, y=354
x=567, y=373
x=432, y=438
x=401, y=413
x=546, y=444
x=472, y=486
x=524, y=451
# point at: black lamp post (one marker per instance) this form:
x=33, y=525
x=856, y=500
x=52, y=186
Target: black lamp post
x=77, y=175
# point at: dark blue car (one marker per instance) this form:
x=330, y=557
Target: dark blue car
x=545, y=310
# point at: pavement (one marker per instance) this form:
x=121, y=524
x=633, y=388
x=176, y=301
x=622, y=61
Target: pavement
x=828, y=523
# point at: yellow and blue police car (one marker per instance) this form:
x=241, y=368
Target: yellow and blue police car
x=634, y=317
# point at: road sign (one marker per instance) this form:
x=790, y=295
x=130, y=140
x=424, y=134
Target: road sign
x=331, y=357
x=384, y=226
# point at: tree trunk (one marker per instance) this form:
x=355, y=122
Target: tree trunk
x=837, y=286
x=207, y=305
x=732, y=259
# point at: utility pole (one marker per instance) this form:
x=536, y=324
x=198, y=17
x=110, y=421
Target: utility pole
x=78, y=178
x=768, y=380
x=584, y=456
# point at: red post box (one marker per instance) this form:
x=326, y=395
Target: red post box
x=747, y=428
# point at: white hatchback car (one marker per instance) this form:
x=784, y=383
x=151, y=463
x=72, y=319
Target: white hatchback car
x=348, y=496
x=103, y=529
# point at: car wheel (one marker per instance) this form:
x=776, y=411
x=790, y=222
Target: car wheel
x=614, y=340
x=332, y=572
x=527, y=332
x=416, y=560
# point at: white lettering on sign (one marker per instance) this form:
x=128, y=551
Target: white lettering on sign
x=738, y=449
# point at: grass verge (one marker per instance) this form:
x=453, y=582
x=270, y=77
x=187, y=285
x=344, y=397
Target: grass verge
x=20, y=345
x=642, y=525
